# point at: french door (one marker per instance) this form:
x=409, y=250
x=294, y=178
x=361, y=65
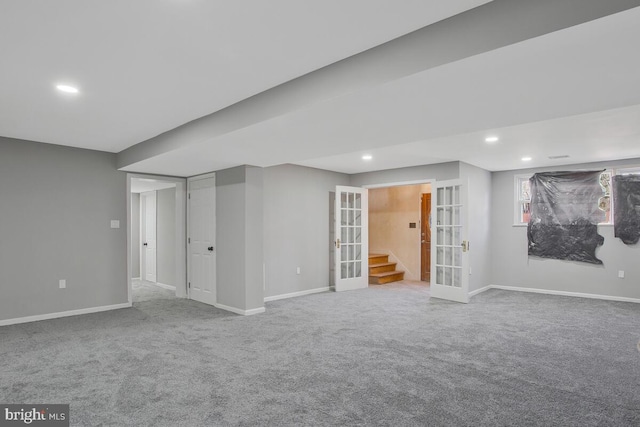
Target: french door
x=450, y=248
x=352, y=238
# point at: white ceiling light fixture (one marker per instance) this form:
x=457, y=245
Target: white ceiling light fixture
x=491, y=139
x=67, y=89
x=526, y=159
x=367, y=157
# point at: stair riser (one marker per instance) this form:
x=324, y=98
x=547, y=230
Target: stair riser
x=382, y=269
x=388, y=279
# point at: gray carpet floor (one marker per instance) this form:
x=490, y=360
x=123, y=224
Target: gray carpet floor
x=146, y=291
x=387, y=355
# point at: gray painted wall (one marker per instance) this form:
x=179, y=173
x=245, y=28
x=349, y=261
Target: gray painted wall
x=230, y=208
x=296, y=227
x=166, y=236
x=439, y=172
x=56, y=204
x=254, y=238
x=479, y=197
x=135, y=235
x=511, y=265
x=239, y=237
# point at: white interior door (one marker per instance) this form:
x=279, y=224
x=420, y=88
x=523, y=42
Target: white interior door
x=149, y=240
x=449, y=245
x=202, y=240
x=352, y=238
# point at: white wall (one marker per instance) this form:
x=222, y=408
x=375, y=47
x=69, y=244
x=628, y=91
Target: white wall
x=511, y=265
x=296, y=227
x=56, y=204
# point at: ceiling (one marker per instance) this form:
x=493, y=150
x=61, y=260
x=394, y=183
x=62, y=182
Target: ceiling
x=144, y=68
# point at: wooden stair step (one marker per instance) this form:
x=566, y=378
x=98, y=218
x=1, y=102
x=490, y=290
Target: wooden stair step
x=382, y=267
x=378, y=258
x=386, y=277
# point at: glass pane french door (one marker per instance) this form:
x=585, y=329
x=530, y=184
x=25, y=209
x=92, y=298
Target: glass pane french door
x=352, y=237
x=449, y=247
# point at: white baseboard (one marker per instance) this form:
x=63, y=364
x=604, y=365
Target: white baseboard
x=239, y=310
x=562, y=293
x=163, y=286
x=49, y=316
x=479, y=291
x=297, y=294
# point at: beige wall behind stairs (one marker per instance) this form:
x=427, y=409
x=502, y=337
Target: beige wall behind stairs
x=391, y=210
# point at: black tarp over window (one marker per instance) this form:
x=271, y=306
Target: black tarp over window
x=565, y=216
x=626, y=208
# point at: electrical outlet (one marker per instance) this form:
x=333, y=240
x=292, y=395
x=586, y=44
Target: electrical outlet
x=621, y=274
x=298, y=270
x=62, y=283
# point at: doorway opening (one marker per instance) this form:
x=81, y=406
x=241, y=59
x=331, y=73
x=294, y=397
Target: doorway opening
x=400, y=233
x=156, y=230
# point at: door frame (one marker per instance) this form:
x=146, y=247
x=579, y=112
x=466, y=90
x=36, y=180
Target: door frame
x=430, y=181
x=180, y=227
x=421, y=238
x=187, y=230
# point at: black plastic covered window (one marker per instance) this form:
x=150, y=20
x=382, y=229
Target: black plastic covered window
x=626, y=208
x=565, y=216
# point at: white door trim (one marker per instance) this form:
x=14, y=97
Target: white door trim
x=147, y=199
x=181, y=232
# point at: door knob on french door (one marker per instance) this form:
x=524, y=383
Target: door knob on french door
x=210, y=248
x=145, y=244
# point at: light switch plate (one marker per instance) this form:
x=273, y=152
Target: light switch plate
x=62, y=283
x=115, y=223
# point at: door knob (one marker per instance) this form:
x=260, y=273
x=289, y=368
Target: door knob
x=144, y=244
x=424, y=241
x=210, y=248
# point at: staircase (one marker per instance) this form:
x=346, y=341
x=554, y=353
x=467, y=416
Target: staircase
x=382, y=271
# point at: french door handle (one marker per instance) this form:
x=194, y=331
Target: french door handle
x=145, y=244
x=210, y=248
x=337, y=244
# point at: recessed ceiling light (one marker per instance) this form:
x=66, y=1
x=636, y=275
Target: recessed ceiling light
x=67, y=89
x=491, y=139
x=367, y=157
x=526, y=159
